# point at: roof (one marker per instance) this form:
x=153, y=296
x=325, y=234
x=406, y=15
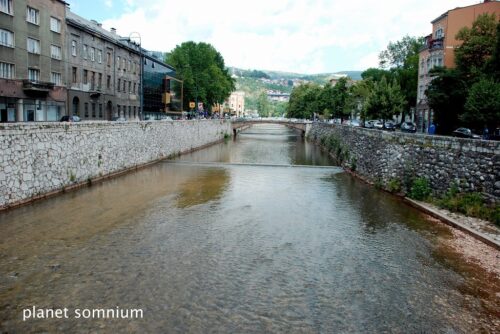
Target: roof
x=94, y=28
x=440, y=17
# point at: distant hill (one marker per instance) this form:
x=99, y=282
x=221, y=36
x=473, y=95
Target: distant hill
x=257, y=82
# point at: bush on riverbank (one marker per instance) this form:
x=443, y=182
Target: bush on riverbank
x=470, y=204
x=420, y=189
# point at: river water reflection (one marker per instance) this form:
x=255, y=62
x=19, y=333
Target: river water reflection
x=233, y=239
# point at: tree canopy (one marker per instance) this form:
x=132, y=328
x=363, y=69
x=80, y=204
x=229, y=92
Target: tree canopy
x=203, y=71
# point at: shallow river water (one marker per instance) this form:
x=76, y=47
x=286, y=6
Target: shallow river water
x=259, y=234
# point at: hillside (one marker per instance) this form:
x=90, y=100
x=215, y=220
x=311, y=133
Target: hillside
x=256, y=83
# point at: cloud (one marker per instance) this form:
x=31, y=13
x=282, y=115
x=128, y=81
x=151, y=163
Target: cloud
x=291, y=35
x=108, y=3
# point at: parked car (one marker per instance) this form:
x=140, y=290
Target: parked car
x=378, y=125
x=118, y=119
x=465, y=133
x=70, y=119
x=369, y=124
x=389, y=126
x=408, y=127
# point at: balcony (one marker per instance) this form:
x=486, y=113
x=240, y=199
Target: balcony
x=95, y=91
x=433, y=44
x=35, y=87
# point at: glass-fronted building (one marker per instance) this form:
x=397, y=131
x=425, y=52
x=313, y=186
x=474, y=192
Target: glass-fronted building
x=162, y=92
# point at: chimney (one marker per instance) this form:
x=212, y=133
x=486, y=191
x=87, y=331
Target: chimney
x=113, y=31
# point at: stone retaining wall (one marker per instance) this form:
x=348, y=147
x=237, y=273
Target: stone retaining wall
x=41, y=158
x=382, y=157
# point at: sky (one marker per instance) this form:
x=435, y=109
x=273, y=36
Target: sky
x=300, y=36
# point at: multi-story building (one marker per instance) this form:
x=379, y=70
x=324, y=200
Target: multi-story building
x=162, y=93
x=439, y=50
x=236, y=103
x=54, y=63
x=103, y=74
x=32, y=53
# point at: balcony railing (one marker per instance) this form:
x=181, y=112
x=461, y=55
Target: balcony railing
x=35, y=86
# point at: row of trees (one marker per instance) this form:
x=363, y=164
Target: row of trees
x=469, y=94
x=383, y=92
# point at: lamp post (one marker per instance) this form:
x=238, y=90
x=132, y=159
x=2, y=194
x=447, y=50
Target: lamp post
x=133, y=37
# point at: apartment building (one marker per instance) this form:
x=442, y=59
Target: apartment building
x=439, y=50
x=32, y=68
x=103, y=71
x=236, y=103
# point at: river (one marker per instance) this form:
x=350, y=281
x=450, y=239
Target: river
x=258, y=234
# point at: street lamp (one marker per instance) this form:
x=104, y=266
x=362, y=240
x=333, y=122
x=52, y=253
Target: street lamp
x=135, y=36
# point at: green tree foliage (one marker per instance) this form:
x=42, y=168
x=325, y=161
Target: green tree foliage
x=263, y=106
x=304, y=101
x=478, y=44
x=376, y=74
x=446, y=96
x=385, y=100
x=358, y=95
x=482, y=107
x=203, y=71
x=402, y=59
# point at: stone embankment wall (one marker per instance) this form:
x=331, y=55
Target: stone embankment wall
x=42, y=158
x=383, y=157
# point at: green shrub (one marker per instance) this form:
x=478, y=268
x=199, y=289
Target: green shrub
x=470, y=204
x=394, y=186
x=420, y=189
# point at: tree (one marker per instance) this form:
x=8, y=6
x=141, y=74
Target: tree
x=402, y=59
x=446, y=96
x=482, y=107
x=304, y=101
x=493, y=65
x=203, y=71
x=340, y=96
x=478, y=44
x=376, y=74
x=263, y=107
x=358, y=95
x=385, y=100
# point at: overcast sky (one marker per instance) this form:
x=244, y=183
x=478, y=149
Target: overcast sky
x=304, y=36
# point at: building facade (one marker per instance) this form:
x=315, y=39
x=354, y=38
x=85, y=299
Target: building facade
x=439, y=50
x=32, y=53
x=103, y=74
x=236, y=104
x=55, y=63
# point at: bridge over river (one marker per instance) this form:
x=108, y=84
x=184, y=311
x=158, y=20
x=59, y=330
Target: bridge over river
x=241, y=124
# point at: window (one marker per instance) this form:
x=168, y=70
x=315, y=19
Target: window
x=73, y=48
x=92, y=54
x=108, y=82
x=135, y=86
x=92, y=80
x=124, y=86
x=55, y=24
x=6, y=38
x=6, y=7
x=119, y=110
x=93, y=110
x=85, y=51
x=32, y=15
x=85, y=76
x=55, y=52
x=118, y=86
x=99, y=56
x=100, y=110
x=124, y=64
x=6, y=70
x=74, y=76
x=99, y=81
x=135, y=111
x=118, y=62
x=86, y=109
x=130, y=87
x=439, y=33
x=108, y=60
x=33, y=74
x=33, y=46
x=55, y=78
x=129, y=111
x=129, y=66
